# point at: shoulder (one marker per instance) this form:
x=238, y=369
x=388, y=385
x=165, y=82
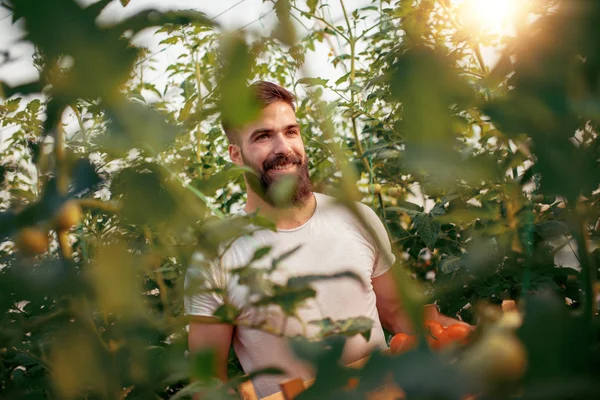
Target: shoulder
x=324, y=200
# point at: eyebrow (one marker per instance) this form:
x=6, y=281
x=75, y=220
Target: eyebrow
x=260, y=131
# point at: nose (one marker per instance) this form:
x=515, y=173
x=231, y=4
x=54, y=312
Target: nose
x=281, y=146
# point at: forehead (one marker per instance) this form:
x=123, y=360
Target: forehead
x=275, y=116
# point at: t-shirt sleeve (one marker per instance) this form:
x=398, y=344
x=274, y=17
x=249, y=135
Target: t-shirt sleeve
x=204, y=284
x=384, y=257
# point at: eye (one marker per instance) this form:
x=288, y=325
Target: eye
x=293, y=132
x=262, y=136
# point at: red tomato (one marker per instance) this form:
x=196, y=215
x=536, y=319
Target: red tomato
x=409, y=344
x=433, y=330
x=402, y=342
x=454, y=334
x=396, y=341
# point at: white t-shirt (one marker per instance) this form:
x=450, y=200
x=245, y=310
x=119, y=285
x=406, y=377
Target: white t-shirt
x=331, y=241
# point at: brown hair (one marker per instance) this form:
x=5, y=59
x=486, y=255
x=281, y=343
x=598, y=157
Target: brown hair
x=265, y=93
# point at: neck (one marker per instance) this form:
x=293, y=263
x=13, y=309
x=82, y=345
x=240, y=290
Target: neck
x=284, y=218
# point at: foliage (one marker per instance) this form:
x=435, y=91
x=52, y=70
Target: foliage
x=488, y=174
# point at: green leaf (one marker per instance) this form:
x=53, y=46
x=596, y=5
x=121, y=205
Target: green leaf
x=500, y=71
x=357, y=325
x=152, y=88
x=9, y=91
x=332, y=377
x=407, y=211
x=220, y=180
x=125, y=2
x=254, y=278
x=355, y=88
x=34, y=106
x=550, y=230
x=316, y=352
x=312, y=5
x=305, y=280
x=134, y=125
x=227, y=313
x=289, y=299
x=262, y=222
x=282, y=192
x=345, y=327
x=285, y=30
x=260, y=253
x=147, y=185
x=237, y=103
x=438, y=209
x=185, y=110
x=427, y=228
x=276, y=261
x=342, y=79
x=450, y=264
x=468, y=215
x=404, y=8
x=313, y=81
x=149, y=18
x=170, y=40
x=203, y=365
x=236, y=382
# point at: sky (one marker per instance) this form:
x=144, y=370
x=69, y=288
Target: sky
x=230, y=14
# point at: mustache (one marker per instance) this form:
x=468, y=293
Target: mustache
x=281, y=160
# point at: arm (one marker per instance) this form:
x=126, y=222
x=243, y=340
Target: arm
x=392, y=316
x=215, y=336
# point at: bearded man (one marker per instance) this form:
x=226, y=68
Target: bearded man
x=329, y=240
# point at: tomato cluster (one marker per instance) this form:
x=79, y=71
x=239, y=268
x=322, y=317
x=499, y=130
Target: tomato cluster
x=438, y=337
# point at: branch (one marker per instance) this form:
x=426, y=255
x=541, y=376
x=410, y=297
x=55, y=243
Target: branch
x=323, y=20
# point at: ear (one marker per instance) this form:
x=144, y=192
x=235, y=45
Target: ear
x=235, y=154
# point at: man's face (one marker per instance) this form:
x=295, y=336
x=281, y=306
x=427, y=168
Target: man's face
x=273, y=147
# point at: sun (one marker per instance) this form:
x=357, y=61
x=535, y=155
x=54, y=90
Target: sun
x=490, y=16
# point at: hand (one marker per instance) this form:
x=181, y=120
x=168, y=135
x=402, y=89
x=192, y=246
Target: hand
x=431, y=312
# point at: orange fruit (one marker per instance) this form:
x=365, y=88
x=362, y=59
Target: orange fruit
x=32, y=241
x=402, y=342
x=67, y=216
x=397, y=341
x=454, y=334
x=433, y=330
x=409, y=344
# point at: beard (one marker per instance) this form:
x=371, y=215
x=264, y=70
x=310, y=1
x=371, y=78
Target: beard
x=265, y=183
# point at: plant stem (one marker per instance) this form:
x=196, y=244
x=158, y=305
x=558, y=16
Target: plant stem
x=80, y=123
x=160, y=281
x=323, y=20
x=59, y=154
x=63, y=242
x=588, y=274
x=352, y=42
x=98, y=205
x=199, y=108
x=198, y=82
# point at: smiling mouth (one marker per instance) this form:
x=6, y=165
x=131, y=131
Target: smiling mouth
x=283, y=167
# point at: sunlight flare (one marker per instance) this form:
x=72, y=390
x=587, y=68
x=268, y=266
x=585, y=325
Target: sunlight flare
x=490, y=16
